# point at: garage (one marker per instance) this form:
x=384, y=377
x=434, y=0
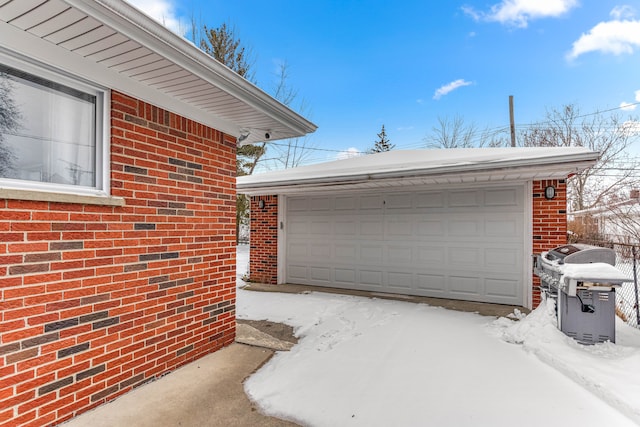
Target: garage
x=450, y=243
x=459, y=224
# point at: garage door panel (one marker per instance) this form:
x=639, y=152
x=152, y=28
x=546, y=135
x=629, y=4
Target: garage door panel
x=320, y=250
x=298, y=248
x=322, y=228
x=319, y=204
x=463, y=258
x=345, y=203
x=370, y=202
x=464, y=227
x=371, y=278
x=297, y=272
x=371, y=227
x=320, y=274
x=298, y=204
x=502, y=197
x=501, y=288
x=467, y=198
x=461, y=244
x=399, y=255
x=371, y=253
x=346, y=252
x=345, y=276
x=399, y=228
x=507, y=227
x=431, y=199
x=502, y=258
x=465, y=285
x=430, y=228
x=298, y=227
x=345, y=228
x=431, y=255
x=435, y=284
x=399, y=201
x=400, y=280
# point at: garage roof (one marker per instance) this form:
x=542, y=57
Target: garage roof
x=424, y=167
x=111, y=43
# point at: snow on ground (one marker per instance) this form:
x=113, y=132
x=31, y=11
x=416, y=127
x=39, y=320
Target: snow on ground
x=372, y=362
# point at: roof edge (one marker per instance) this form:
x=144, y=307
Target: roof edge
x=573, y=162
x=163, y=41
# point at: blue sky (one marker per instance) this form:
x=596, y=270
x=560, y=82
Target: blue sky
x=361, y=64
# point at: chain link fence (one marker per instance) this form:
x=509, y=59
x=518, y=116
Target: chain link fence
x=627, y=261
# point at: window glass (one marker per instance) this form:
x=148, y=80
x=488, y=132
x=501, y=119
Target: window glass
x=48, y=131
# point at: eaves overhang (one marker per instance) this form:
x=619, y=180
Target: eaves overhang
x=423, y=167
x=110, y=42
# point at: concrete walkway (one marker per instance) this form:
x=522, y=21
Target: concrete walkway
x=482, y=308
x=207, y=392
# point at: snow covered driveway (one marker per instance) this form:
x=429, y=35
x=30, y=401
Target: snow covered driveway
x=371, y=362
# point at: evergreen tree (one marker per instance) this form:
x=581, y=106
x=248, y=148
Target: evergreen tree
x=382, y=144
x=223, y=45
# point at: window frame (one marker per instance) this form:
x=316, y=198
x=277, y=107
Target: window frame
x=102, y=130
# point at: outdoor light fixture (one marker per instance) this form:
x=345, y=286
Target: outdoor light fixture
x=261, y=204
x=550, y=192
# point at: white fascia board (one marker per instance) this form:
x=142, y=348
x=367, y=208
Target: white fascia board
x=139, y=27
x=253, y=185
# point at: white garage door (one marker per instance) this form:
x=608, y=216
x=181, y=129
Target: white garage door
x=461, y=244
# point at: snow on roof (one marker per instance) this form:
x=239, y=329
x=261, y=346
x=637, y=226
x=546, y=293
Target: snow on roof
x=427, y=166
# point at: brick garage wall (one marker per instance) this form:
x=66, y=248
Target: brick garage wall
x=263, y=263
x=549, y=222
x=96, y=300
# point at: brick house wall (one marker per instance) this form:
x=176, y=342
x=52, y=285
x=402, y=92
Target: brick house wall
x=549, y=222
x=263, y=263
x=96, y=300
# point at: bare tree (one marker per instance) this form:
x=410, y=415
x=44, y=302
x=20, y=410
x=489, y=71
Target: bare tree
x=293, y=151
x=625, y=219
x=455, y=133
x=614, y=174
x=9, y=122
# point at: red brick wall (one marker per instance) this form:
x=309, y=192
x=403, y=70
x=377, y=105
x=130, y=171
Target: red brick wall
x=549, y=222
x=95, y=300
x=263, y=264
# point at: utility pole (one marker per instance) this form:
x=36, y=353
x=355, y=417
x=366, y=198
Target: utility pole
x=511, y=120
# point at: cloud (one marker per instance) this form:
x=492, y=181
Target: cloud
x=162, y=11
x=518, y=13
x=618, y=36
x=450, y=87
x=623, y=12
x=627, y=107
x=630, y=106
x=348, y=153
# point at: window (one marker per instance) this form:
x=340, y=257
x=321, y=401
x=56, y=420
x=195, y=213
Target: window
x=51, y=130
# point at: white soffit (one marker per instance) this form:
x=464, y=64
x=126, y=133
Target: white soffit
x=111, y=43
x=424, y=167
